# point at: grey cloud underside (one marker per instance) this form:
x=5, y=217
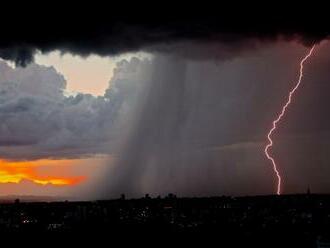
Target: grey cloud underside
x=115, y=32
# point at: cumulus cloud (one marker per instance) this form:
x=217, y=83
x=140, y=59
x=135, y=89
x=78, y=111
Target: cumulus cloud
x=39, y=120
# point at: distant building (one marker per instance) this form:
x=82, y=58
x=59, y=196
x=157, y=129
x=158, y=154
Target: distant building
x=171, y=196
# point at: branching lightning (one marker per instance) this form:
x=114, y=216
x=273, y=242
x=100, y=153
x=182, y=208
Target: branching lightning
x=279, y=117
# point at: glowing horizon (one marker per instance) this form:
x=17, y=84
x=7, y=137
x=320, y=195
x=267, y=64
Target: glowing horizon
x=15, y=172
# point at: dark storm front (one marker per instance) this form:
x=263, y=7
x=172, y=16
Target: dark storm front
x=296, y=219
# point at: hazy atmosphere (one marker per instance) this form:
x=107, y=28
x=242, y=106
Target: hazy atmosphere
x=190, y=125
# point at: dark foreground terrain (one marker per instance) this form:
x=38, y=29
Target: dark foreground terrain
x=265, y=221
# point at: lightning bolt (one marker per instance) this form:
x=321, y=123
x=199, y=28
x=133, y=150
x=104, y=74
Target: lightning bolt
x=279, y=117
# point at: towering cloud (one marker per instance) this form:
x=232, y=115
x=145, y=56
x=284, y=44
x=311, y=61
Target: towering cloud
x=38, y=119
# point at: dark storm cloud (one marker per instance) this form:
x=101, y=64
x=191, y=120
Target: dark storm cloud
x=121, y=29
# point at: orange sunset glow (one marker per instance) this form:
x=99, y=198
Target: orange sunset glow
x=14, y=172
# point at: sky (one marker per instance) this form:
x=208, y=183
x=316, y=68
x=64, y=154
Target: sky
x=88, y=75
x=201, y=125
x=85, y=75
x=50, y=98
x=163, y=124
x=85, y=115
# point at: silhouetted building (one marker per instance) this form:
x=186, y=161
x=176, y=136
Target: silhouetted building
x=296, y=219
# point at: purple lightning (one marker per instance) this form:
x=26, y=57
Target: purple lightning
x=279, y=117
